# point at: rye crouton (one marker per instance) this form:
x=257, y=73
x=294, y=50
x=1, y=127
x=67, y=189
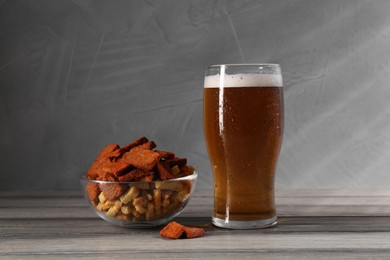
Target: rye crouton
x=93, y=192
x=112, y=191
x=135, y=175
x=101, y=160
x=164, y=171
x=175, y=230
x=119, y=152
x=141, y=158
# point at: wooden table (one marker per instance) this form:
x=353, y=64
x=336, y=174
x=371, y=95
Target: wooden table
x=313, y=224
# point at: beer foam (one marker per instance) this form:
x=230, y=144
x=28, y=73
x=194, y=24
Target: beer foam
x=244, y=80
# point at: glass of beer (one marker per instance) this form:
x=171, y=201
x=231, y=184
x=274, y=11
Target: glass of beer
x=243, y=127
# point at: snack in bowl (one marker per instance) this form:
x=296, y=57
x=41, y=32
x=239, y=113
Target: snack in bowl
x=136, y=185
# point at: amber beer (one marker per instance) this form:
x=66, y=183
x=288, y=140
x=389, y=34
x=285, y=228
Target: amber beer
x=243, y=126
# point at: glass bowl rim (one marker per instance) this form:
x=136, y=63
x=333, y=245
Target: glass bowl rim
x=190, y=177
x=243, y=65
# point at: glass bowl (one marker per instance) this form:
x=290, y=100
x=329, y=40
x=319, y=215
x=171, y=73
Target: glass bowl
x=139, y=204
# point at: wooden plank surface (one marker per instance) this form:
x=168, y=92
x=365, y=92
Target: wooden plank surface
x=326, y=224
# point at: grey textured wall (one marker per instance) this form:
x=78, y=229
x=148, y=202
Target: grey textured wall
x=76, y=75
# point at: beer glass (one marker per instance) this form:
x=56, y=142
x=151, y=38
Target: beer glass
x=243, y=127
